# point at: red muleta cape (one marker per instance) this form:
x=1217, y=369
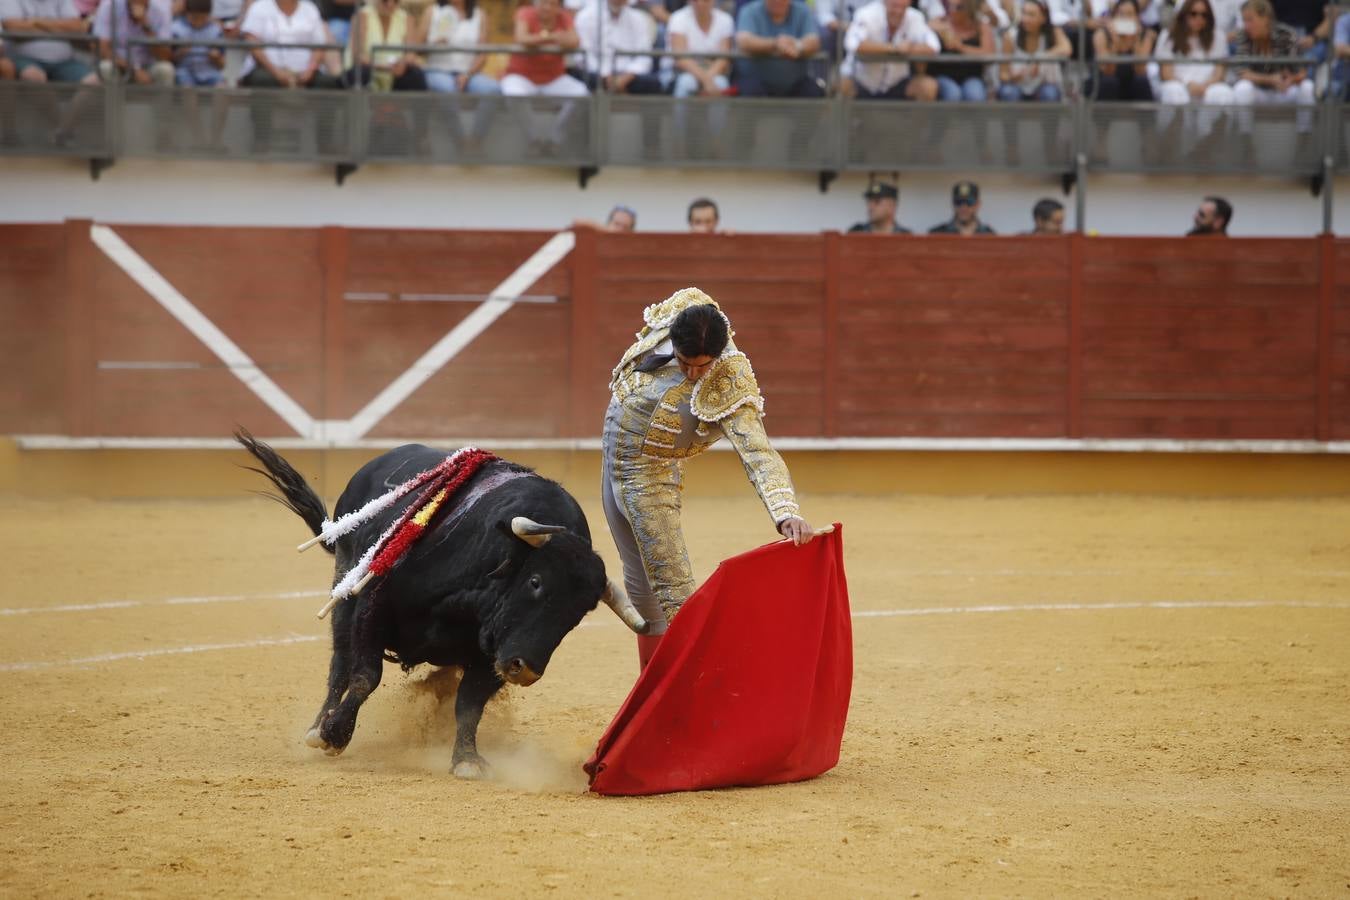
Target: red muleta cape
x=749, y=686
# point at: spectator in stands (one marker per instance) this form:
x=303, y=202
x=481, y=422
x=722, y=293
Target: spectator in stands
x=118, y=57
x=616, y=39
x=882, y=198
x=781, y=35
x=547, y=26
x=1027, y=80
x=1340, y=51
x=1194, y=37
x=615, y=48
x=1269, y=83
x=700, y=27
x=1035, y=35
x=337, y=15
x=279, y=23
x=383, y=23
x=282, y=22
x=7, y=70
x=963, y=32
x=890, y=27
x=621, y=219
x=965, y=218
x=1124, y=36
x=703, y=216
x=1212, y=218
x=1047, y=217
x=1311, y=21
x=460, y=23
x=197, y=66
x=38, y=59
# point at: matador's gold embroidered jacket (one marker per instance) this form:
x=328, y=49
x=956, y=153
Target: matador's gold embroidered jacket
x=656, y=419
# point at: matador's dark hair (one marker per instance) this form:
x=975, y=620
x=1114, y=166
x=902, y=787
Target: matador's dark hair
x=700, y=331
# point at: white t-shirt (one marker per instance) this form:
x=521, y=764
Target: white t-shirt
x=631, y=30
x=448, y=25
x=870, y=25
x=1192, y=74
x=266, y=22
x=721, y=31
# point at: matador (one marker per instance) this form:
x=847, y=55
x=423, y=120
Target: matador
x=678, y=389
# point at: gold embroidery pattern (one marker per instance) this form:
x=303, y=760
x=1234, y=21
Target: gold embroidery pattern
x=763, y=466
x=728, y=386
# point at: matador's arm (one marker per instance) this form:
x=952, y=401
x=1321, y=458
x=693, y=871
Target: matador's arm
x=764, y=467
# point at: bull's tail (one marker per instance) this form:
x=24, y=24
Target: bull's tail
x=296, y=494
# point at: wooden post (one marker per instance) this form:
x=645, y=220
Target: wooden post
x=1074, y=397
x=582, y=418
x=830, y=329
x=81, y=366
x=1326, y=294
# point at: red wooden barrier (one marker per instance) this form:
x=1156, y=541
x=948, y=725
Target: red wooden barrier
x=851, y=335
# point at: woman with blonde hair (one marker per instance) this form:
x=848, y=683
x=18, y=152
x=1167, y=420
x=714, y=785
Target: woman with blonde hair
x=1270, y=83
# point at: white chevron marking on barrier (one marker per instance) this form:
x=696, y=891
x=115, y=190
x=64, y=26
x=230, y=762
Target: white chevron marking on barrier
x=202, y=328
x=501, y=299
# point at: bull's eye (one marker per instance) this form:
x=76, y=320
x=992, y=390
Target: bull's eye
x=536, y=582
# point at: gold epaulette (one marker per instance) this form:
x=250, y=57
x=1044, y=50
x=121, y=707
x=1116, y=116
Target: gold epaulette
x=728, y=385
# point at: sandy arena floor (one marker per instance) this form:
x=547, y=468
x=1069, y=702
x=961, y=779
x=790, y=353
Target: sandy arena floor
x=1070, y=696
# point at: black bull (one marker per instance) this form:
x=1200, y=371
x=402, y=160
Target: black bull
x=488, y=588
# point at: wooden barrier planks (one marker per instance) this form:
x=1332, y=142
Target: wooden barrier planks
x=850, y=335
x=1200, y=338
x=406, y=289
x=260, y=286
x=952, y=337
x=32, y=310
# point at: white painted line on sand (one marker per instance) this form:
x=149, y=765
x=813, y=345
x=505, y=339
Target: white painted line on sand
x=167, y=601
x=859, y=614
x=167, y=651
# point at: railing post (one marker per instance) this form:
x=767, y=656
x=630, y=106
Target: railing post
x=1081, y=115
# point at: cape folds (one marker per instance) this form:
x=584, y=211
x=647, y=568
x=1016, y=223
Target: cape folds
x=749, y=686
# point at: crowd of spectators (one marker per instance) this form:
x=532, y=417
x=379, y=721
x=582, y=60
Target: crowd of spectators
x=926, y=51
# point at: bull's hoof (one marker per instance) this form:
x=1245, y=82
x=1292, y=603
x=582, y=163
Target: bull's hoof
x=470, y=769
x=313, y=739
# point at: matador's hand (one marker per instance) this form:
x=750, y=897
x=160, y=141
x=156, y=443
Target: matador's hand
x=796, y=529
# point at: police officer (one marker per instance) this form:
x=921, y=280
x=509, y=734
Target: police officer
x=882, y=199
x=965, y=212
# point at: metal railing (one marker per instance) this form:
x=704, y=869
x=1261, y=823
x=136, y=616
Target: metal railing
x=1075, y=136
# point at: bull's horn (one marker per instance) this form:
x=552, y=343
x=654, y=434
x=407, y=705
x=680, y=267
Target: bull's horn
x=618, y=601
x=532, y=533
